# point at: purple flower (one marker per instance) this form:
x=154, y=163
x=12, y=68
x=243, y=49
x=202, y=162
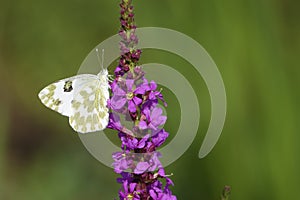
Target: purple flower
x=159, y=138
x=149, y=162
x=168, y=183
x=135, y=100
x=126, y=176
x=152, y=119
x=126, y=95
x=141, y=167
x=129, y=142
x=114, y=122
x=122, y=163
x=129, y=192
x=155, y=162
x=157, y=193
x=153, y=94
x=124, y=48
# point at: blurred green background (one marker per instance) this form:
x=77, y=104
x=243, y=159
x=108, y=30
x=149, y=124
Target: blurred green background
x=255, y=44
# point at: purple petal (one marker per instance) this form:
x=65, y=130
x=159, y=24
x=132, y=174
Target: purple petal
x=131, y=143
x=156, y=112
x=152, y=126
x=117, y=102
x=122, y=194
x=159, y=138
x=152, y=96
x=142, y=142
x=118, y=91
x=169, y=182
x=155, y=163
x=153, y=85
x=114, y=122
x=145, y=81
x=159, y=121
x=129, y=84
x=141, y=167
x=146, y=112
x=117, y=155
x=137, y=100
x=124, y=164
x=161, y=172
x=132, y=187
x=153, y=194
x=113, y=85
x=125, y=186
x=131, y=106
x=140, y=90
x=143, y=125
x=160, y=96
x=118, y=69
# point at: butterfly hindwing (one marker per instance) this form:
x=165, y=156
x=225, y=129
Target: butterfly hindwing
x=89, y=107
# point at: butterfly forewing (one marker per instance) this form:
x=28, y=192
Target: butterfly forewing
x=53, y=96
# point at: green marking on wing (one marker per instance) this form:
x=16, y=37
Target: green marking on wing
x=75, y=104
x=51, y=87
x=84, y=94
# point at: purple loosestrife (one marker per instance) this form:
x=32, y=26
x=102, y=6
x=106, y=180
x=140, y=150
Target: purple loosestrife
x=138, y=119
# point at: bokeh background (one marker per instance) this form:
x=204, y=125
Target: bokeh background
x=255, y=45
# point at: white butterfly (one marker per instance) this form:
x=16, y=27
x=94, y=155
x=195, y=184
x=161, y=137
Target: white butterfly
x=82, y=98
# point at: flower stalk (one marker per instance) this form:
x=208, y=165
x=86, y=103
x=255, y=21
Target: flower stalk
x=226, y=193
x=139, y=120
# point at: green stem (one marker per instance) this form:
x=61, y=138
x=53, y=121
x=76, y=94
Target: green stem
x=226, y=193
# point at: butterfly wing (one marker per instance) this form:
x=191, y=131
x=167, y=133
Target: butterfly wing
x=82, y=98
x=89, y=111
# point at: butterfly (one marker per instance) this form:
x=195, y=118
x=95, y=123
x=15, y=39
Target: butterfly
x=82, y=98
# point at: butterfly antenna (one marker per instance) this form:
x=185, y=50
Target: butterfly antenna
x=102, y=58
x=101, y=61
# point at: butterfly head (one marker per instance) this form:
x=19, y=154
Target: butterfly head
x=103, y=72
x=103, y=75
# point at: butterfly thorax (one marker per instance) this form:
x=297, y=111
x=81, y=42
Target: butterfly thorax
x=103, y=76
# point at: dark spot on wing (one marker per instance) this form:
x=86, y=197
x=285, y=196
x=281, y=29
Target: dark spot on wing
x=57, y=102
x=68, y=86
